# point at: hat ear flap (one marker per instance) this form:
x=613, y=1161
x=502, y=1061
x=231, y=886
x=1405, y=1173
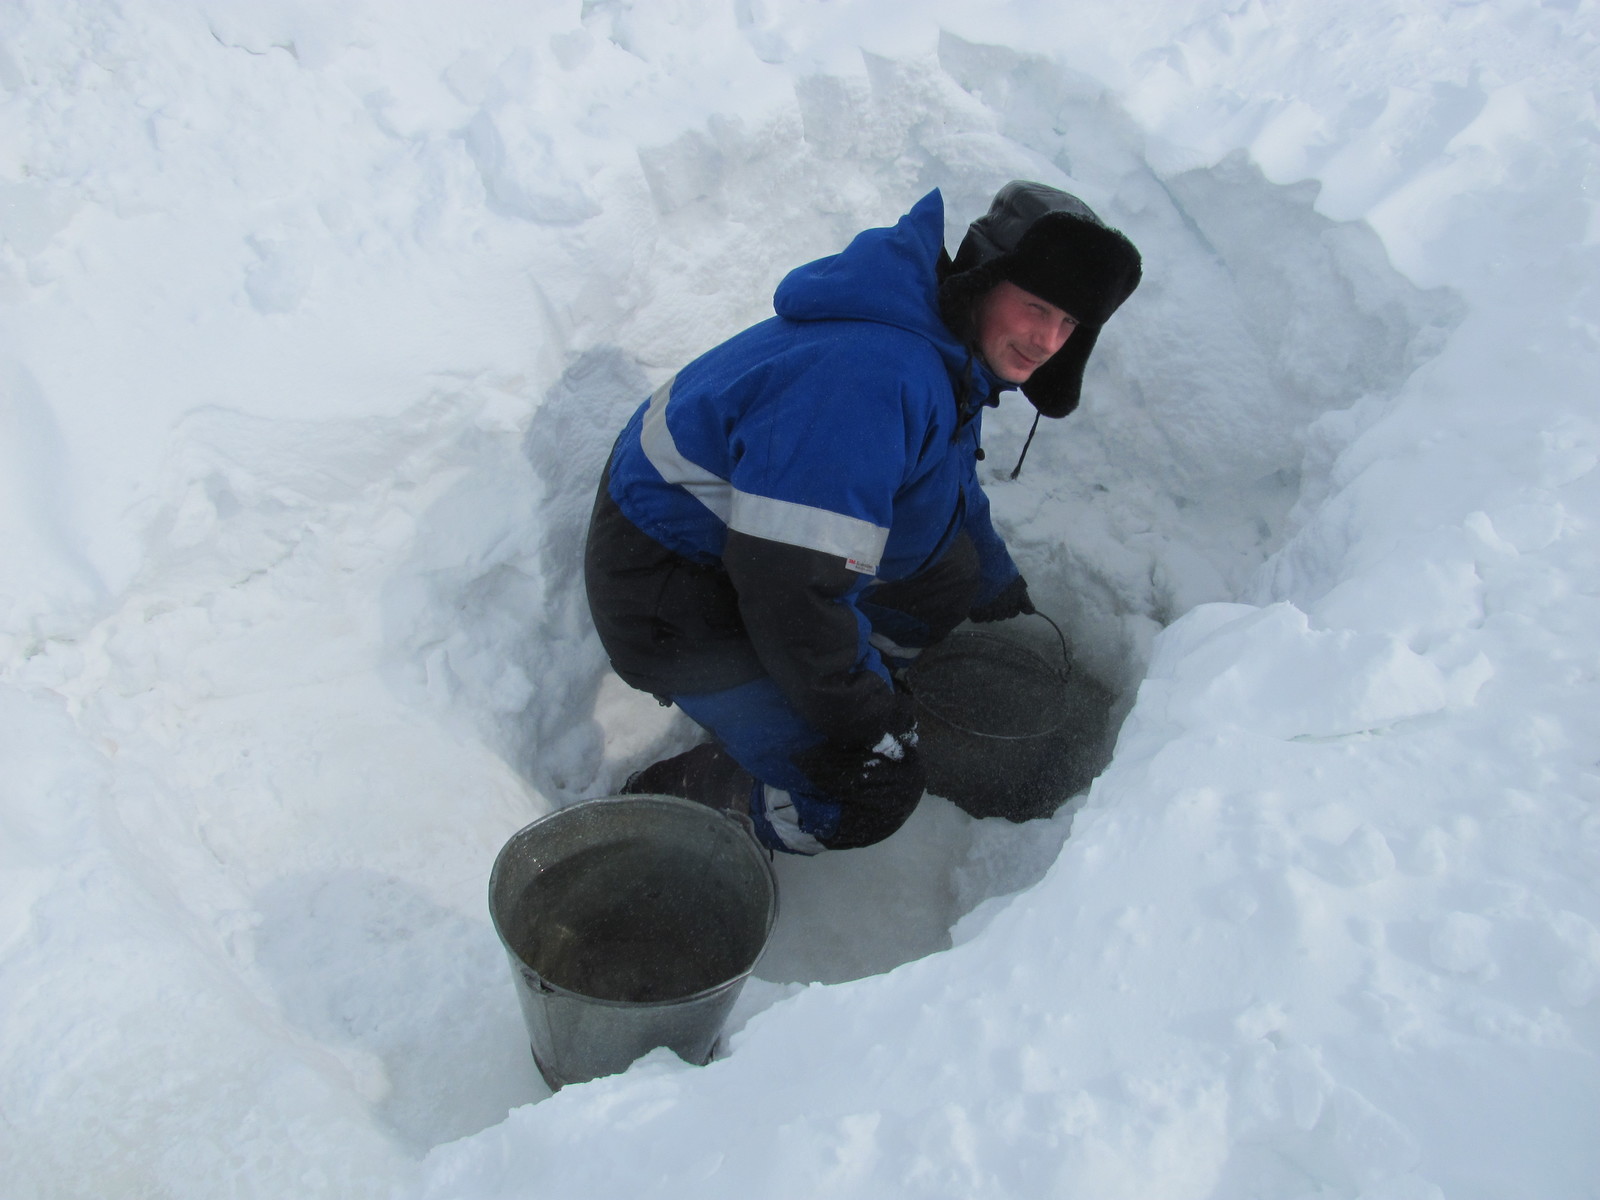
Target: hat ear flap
x=1055, y=387
x=959, y=295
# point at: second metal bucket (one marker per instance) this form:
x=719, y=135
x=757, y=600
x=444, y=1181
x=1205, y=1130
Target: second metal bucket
x=993, y=720
x=631, y=922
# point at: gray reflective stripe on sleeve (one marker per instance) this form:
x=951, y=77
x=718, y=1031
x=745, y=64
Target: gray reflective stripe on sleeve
x=656, y=440
x=785, y=821
x=860, y=543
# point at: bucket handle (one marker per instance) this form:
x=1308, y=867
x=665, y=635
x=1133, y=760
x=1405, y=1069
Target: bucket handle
x=1065, y=674
x=1066, y=655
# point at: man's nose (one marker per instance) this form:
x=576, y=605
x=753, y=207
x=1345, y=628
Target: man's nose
x=1051, y=338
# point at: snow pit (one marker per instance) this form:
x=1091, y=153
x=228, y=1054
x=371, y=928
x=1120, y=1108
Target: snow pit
x=317, y=324
x=1180, y=476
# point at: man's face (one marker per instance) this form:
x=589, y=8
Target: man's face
x=1018, y=331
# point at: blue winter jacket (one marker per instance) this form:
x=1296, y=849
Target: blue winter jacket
x=821, y=451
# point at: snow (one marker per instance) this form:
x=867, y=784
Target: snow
x=317, y=323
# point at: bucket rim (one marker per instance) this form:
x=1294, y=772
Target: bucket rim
x=1061, y=674
x=648, y=798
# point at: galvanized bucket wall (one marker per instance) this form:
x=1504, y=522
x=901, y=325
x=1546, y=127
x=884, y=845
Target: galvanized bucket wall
x=630, y=923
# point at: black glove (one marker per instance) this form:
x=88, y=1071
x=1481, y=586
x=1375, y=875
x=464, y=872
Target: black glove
x=1012, y=601
x=877, y=786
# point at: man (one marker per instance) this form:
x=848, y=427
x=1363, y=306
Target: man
x=797, y=513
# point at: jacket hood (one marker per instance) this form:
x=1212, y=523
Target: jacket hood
x=889, y=275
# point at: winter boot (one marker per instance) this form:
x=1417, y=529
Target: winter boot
x=706, y=774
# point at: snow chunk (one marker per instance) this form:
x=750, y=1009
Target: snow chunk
x=525, y=172
x=1365, y=857
x=1267, y=670
x=1459, y=944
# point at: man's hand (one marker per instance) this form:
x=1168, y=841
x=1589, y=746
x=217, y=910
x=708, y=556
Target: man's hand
x=1013, y=601
x=877, y=786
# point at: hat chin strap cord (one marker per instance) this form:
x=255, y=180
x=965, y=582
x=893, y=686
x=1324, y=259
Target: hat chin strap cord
x=1017, y=470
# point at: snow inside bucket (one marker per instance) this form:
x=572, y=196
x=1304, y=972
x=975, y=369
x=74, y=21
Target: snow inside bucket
x=631, y=922
x=1001, y=733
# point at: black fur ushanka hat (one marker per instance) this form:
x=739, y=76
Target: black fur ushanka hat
x=1050, y=243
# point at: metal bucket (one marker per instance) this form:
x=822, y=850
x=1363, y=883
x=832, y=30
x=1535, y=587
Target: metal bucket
x=993, y=722
x=631, y=922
